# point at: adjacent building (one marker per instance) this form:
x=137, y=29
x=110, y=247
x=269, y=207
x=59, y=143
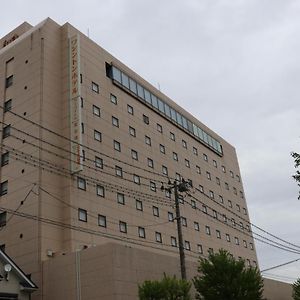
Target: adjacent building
x=86, y=147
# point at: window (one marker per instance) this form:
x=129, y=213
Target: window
x=159, y=128
x=233, y=221
x=95, y=87
x=142, y=233
x=165, y=170
x=175, y=156
x=224, y=218
x=102, y=221
x=172, y=136
x=113, y=99
x=158, y=237
x=82, y=127
x=241, y=194
x=210, y=251
x=168, y=193
x=195, y=151
x=218, y=181
x=6, y=131
x=204, y=208
x=115, y=121
x=244, y=211
x=3, y=219
x=201, y=189
x=196, y=226
x=139, y=205
x=221, y=200
x=242, y=225
x=193, y=204
x=198, y=170
x=218, y=234
x=180, y=197
x=136, y=179
x=119, y=171
x=81, y=102
x=248, y=228
x=187, y=245
x=170, y=216
x=226, y=186
x=251, y=246
x=184, y=144
x=211, y=195
x=208, y=175
x=238, y=178
x=234, y=191
x=162, y=149
x=146, y=119
x=134, y=154
x=184, y=221
x=152, y=186
x=97, y=136
x=100, y=190
x=200, y=249
x=123, y=227
x=147, y=140
x=96, y=111
x=98, y=162
x=223, y=169
x=229, y=203
x=173, y=241
x=215, y=214
x=245, y=243
x=132, y=131
x=238, y=207
x=215, y=164
x=117, y=146
x=81, y=184
x=187, y=163
x=121, y=198
x=227, y=237
x=82, y=215
x=150, y=163
x=7, y=105
x=130, y=109
x=205, y=157
x=231, y=174
x=4, y=159
x=178, y=176
x=9, y=81
x=155, y=211
x=207, y=230
x=236, y=240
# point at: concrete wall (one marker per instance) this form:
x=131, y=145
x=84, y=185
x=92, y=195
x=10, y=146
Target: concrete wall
x=277, y=290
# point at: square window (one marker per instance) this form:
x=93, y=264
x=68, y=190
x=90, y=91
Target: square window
x=97, y=136
x=150, y=163
x=142, y=233
x=115, y=121
x=132, y=131
x=196, y=226
x=162, y=149
x=165, y=170
x=146, y=119
x=139, y=205
x=147, y=140
x=152, y=186
x=199, y=249
x=134, y=154
x=3, y=216
x=175, y=156
x=184, y=144
x=102, y=221
x=218, y=234
x=100, y=190
x=95, y=87
x=121, y=198
x=173, y=241
x=4, y=159
x=159, y=128
x=195, y=151
x=117, y=146
x=187, y=163
x=187, y=245
x=130, y=109
x=172, y=136
x=193, y=204
x=136, y=179
x=7, y=105
x=205, y=157
x=170, y=216
x=98, y=162
x=155, y=210
x=158, y=237
x=123, y=227
x=207, y=230
x=82, y=215
x=96, y=111
x=184, y=221
x=6, y=131
x=208, y=175
x=119, y=171
x=215, y=164
x=113, y=99
x=81, y=184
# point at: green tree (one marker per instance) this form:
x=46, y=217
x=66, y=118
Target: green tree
x=296, y=289
x=221, y=277
x=296, y=157
x=169, y=288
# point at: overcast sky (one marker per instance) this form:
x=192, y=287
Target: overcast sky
x=235, y=64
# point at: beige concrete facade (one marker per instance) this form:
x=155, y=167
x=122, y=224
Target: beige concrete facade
x=36, y=159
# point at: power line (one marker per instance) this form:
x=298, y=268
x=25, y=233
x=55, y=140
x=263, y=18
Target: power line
x=281, y=265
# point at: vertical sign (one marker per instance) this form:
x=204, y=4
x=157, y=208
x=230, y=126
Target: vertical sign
x=75, y=106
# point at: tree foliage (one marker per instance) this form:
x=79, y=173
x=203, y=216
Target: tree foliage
x=296, y=157
x=169, y=288
x=296, y=289
x=221, y=277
